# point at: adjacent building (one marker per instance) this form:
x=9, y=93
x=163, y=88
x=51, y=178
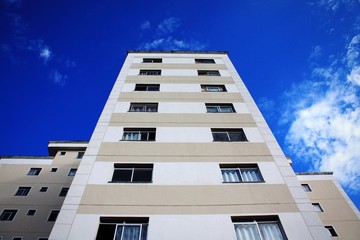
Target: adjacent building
x=180, y=151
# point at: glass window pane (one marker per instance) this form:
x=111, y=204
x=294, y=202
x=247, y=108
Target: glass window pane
x=231, y=175
x=226, y=109
x=137, y=108
x=250, y=175
x=237, y=136
x=247, y=232
x=270, y=231
x=151, y=136
x=220, y=136
x=122, y=175
x=142, y=175
x=131, y=232
x=212, y=109
x=131, y=136
x=119, y=230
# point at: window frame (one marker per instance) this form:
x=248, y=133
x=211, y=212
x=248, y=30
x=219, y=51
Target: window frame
x=220, y=107
x=43, y=189
x=34, y=171
x=53, y=169
x=258, y=220
x=228, y=132
x=150, y=134
x=62, y=190
x=306, y=187
x=147, y=87
x=152, y=60
x=240, y=168
x=205, y=61
x=80, y=155
x=72, y=172
x=150, y=72
x=114, y=222
x=209, y=73
x=205, y=88
x=10, y=217
x=134, y=168
x=145, y=107
x=31, y=210
x=332, y=231
x=317, y=207
x=50, y=217
x=24, y=192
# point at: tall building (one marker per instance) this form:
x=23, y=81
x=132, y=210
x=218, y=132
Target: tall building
x=181, y=151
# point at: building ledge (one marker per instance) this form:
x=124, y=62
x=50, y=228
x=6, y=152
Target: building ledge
x=177, y=51
x=73, y=145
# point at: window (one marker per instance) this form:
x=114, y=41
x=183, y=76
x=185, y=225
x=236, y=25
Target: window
x=34, y=171
x=258, y=228
x=147, y=87
x=240, y=173
x=62, y=153
x=17, y=238
x=72, y=172
x=31, y=212
x=80, y=155
x=219, y=108
x=8, y=214
x=22, y=191
x=213, y=88
x=122, y=228
x=306, y=187
x=63, y=192
x=132, y=173
x=139, y=134
x=204, y=61
x=143, y=107
x=43, y=189
x=208, y=73
x=42, y=238
x=150, y=72
x=53, y=215
x=53, y=169
x=152, y=60
x=228, y=135
x=332, y=232
x=317, y=207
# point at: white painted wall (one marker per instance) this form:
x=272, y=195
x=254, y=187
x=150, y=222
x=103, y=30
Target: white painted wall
x=240, y=108
x=122, y=107
x=180, y=88
x=189, y=227
x=179, y=60
x=253, y=134
x=181, y=134
x=130, y=87
x=179, y=72
x=185, y=173
x=181, y=107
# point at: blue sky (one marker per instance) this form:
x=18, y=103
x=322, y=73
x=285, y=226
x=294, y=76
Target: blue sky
x=299, y=59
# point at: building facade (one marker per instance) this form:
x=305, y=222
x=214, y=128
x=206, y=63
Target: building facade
x=181, y=151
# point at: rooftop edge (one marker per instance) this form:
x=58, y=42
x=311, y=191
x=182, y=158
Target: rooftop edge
x=176, y=51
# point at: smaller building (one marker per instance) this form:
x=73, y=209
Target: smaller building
x=33, y=189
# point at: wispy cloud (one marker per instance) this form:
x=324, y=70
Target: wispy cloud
x=20, y=42
x=145, y=25
x=58, y=78
x=165, y=38
x=13, y=2
x=168, y=25
x=323, y=114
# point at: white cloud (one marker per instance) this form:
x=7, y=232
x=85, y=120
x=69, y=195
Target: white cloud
x=45, y=54
x=58, y=78
x=173, y=44
x=168, y=25
x=354, y=76
x=145, y=25
x=324, y=119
